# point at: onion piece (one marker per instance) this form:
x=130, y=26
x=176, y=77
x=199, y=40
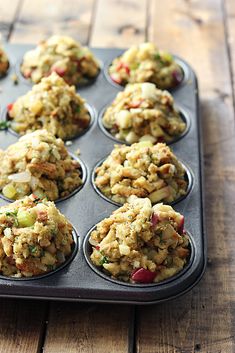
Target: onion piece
x=34, y=182
x=7, y=232
x=93, y=242
x=148, y=90
x=23, y=177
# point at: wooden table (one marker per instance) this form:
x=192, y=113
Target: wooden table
x=203, y=32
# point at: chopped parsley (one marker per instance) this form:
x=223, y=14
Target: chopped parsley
x=4, y=125
x=78, y=109
x=104, y=259
x=32, y=249
x=14, y=215
x=158, y=57
x=160, y=237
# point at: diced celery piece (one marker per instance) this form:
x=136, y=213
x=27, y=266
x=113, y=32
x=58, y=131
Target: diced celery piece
x=145, y=142
x=167, y=56
x=26, y=218
x=9, y=191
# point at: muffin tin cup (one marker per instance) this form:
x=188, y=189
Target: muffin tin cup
x=87, y=249
x=27, y=81
x=83, y=177
x=63, y=265
x=184, y=115
x=78, y=281
x=178, y=60
x=188, y=178
x=91, y=111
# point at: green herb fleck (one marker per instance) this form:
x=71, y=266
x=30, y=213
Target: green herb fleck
x=160, y=237
x=158, y=57
x=78, y=109
x=32, y=249
x=104, y=260
x=4, y=125
x=14, y=215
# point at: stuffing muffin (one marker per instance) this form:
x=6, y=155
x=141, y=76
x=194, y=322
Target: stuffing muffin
x=63, y=55
x=143, y=112
x=146, y=63
x=35, y=238
x=139, y=243
x=143, y=170
x=4, y=62
x=40, y=164
x=50, y=105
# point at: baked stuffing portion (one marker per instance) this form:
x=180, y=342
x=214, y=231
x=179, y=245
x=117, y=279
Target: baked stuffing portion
x=63, y=55
x=50, y=105
x=4, y=62
x=40, y=164
x=139, y=243
x=146, y=63
x=143, y=170
x=35, y=238
x=142, y=112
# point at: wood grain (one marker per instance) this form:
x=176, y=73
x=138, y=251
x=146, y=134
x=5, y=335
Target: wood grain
x=39, y=19
x=22, y=325
x=89, y=328
x=7, y=17
x=229, y=16
x=202, y=320
x=119, y=23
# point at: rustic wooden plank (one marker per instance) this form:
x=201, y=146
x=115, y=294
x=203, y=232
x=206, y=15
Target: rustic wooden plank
x=22, y=325
x=7, y=16
x=229, y=13
x=202, y=320
x=119, y=23
x=40, y=19
x=88, y=328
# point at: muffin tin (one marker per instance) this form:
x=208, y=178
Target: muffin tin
x=78, y=280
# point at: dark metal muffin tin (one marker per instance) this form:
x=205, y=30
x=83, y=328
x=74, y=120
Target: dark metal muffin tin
x=78, y=281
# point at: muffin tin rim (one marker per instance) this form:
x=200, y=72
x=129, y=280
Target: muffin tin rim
x=83, y=168
x=189, y=175
x=98, y=271
x=30, y=83
x=184, y=115
x=70, y=258
x=91, y=110
x=177, y=59
x=187, y=281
